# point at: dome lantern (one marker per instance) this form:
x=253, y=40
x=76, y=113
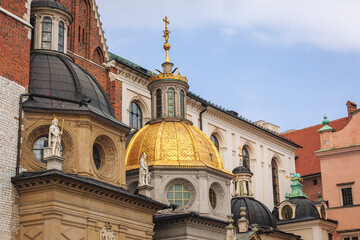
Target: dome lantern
x=51, y=21
x=242, y=180
x=168, y=89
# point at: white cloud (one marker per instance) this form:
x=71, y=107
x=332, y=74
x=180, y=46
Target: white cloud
x=327, y=24
x=228, y=31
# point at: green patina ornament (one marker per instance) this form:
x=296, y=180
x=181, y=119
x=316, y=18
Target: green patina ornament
x=326, y=126
x=296, y=186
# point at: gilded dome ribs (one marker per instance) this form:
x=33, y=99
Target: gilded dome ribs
x=173, y=143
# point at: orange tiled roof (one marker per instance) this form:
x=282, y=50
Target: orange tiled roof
x=307, y=163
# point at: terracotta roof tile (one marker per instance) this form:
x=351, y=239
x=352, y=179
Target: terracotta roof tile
x=307, y=163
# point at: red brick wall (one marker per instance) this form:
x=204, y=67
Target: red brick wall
x=88, y=45
x=116, y=98
x=16, y=7
x=311, y=190
x=14, y=43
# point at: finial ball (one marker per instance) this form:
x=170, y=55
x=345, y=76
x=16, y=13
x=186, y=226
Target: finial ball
x=166, y=46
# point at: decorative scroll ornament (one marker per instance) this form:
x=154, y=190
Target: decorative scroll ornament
x=107, y=232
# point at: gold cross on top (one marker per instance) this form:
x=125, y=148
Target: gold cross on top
x=166, y=31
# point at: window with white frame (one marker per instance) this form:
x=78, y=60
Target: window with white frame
x=346, y=193
x=46, y=33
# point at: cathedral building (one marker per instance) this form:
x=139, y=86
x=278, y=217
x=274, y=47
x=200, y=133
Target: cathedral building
x=94, y=146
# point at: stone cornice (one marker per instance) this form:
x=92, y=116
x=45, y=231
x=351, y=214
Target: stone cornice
x=247, y=127
x=188, y=218
x=93, y=187
x=347, y=150
x=126, y=73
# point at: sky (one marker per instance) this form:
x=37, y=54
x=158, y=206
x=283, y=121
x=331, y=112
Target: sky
x=287, y=62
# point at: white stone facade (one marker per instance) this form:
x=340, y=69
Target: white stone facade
x=9, y=113
x=231, y=132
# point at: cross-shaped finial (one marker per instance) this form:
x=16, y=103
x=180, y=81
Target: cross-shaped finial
x=166, y=22
x=166, y=31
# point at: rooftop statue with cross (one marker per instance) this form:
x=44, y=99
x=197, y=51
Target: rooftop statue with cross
x=166, y=36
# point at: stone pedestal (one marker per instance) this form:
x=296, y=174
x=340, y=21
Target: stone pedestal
x=54, y=162
x=145, y=190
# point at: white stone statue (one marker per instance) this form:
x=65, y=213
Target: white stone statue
x=107, y=233
x=144, y=174
x=54, y=140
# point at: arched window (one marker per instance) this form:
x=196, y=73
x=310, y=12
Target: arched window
x=182, y=104
x=46, y=34
x=215, y=141
x=323, y=212
x=61, y=36
x=275, y=182
x=246, y=158
x=286, y=212
x=135, y=117
x=158, y=103
x=97, y=156
x=212, y=198
x=171, y=102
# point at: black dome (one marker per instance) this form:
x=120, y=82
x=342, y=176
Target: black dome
x=305, y=209
x=56, y=75
x=256, y=212
x=241, y=169
x=49, y=3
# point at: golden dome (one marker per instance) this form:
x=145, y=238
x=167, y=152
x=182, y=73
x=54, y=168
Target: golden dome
x=177, y=144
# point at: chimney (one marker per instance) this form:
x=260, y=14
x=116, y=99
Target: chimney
x=351, y=107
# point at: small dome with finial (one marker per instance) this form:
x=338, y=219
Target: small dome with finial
x=325, y=121
x=326, y=127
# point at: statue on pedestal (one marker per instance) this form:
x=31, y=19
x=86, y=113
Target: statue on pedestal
x=144, y=174
x=54, y=140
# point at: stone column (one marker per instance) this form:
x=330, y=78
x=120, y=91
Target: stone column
x=84, y=129
x=37, y=32
x=55, y=34
x=203, y=193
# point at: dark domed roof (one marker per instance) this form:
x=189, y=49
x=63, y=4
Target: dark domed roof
x=305, y=209
x=56, y=75
x=49, y=3
x=241, y=169
x=256, y=212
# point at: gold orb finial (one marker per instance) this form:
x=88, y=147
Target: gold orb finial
x=166, y=36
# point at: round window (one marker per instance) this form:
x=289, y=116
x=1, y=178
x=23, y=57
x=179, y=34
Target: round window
x=96, y=156
x=212, y=198
x=286, y=212
x=38, y=148
x=178, y=194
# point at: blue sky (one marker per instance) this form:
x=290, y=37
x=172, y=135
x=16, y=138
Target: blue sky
x=285, y=62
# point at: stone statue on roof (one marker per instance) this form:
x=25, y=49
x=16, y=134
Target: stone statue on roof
x=144, y=174
x=54, y=140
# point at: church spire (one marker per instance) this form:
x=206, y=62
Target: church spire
x=168, y=90
x=166, y=36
